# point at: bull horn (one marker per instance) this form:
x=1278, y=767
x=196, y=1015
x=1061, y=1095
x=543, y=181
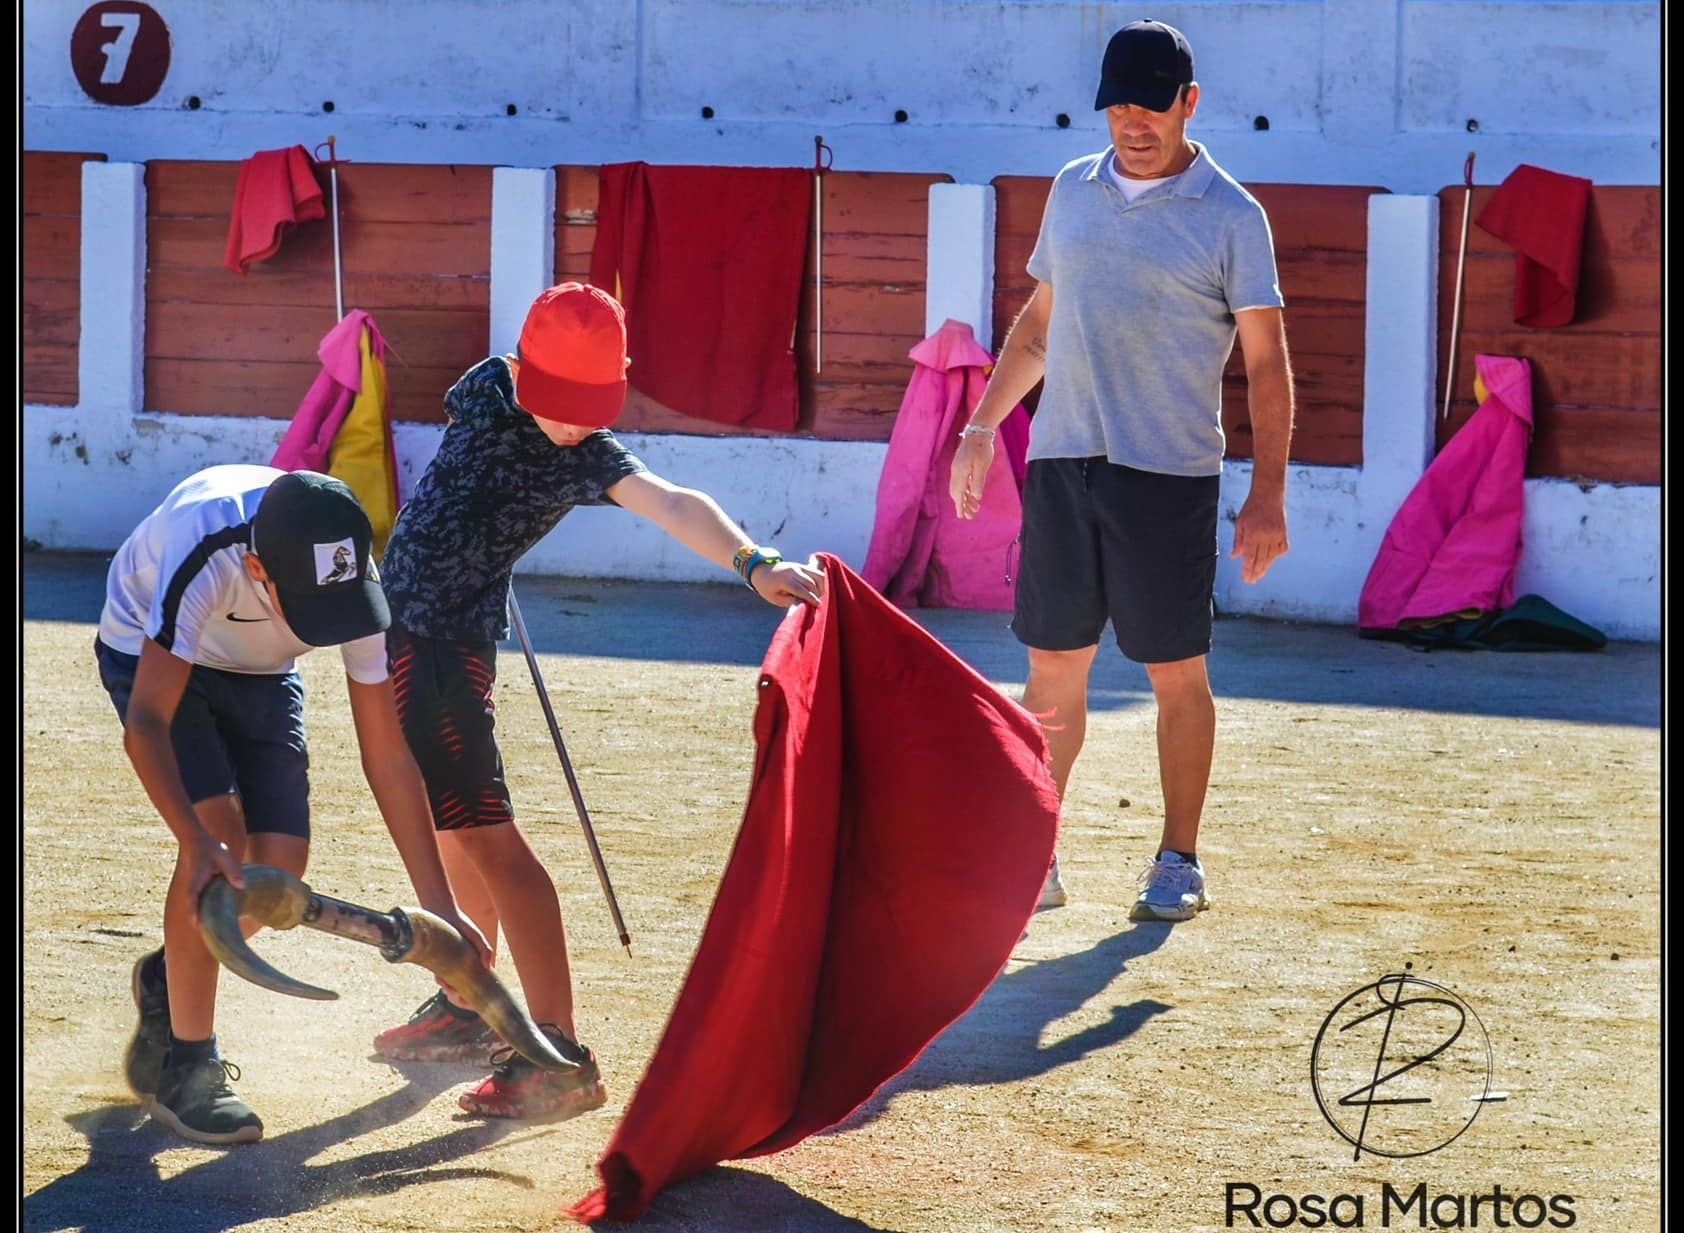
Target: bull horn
x=272, y=896
x=280, y=900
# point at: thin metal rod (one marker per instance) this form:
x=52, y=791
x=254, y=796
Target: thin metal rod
x=818, y=273
x=567, y=769
x=338, y=269
x=818, y=253
x=1456, y=304
x=333, y=182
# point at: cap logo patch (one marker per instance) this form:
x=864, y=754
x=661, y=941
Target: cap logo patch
x=336, y=562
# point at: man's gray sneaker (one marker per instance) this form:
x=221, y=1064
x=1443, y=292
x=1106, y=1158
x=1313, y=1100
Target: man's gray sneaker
x=195, y=1101
x=1172, y=889
x=143, y=1060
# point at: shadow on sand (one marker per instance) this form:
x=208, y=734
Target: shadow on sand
x=999, y=1039
x=277, y=1178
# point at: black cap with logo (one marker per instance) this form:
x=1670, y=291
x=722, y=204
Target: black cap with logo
x=314, y=541
x=1146, y=64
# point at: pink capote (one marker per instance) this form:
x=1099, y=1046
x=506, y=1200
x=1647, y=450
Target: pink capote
x=328, y=401
x=275, y=192
x=898, y=829
x=922, y=554
x=1452, y=549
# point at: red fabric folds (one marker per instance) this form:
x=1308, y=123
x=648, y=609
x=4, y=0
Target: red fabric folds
x=896, y=835
x=708, y=262
x=277, y=190
x=1541, y=215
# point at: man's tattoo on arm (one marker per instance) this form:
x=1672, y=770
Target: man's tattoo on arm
x=1038, y=348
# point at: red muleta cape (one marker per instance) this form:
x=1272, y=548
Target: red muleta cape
x=708, y=262
x=1541, y=215
x=276, y=191
x=898, y=829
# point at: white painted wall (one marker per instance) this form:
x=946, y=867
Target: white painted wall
x=1374, y=92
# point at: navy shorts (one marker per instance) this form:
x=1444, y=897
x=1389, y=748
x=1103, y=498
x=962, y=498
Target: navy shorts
x=1106, y=542
x=444, y=694
x=234, y=732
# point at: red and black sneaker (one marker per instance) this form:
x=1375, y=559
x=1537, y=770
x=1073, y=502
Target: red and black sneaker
x=439, y=1031
x=520, y=1089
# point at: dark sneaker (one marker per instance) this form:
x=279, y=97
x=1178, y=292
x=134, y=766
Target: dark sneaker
x=143, y=1060
x=439, y=1031
x=519, y=1089
x=195, y=1101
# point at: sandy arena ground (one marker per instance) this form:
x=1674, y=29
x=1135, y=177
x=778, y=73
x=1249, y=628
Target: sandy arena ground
x=1487, y=823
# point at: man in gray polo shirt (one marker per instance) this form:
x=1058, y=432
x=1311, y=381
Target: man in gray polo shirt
x=1160, y=260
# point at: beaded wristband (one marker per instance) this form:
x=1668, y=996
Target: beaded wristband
x=749, y=557
x=976, y=430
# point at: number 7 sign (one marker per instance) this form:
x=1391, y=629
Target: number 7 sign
x=120, y=50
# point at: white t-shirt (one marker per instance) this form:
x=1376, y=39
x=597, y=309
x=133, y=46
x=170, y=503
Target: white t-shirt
x=180, y=579
x=1131, y=189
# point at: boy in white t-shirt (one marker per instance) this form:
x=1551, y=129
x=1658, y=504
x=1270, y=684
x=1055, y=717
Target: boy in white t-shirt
x=208, y=604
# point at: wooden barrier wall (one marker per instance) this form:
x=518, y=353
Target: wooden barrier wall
x=875, y=228
x=415, y=245
x=1321, y=247
x=51, y=239
x=1596, y=383
x=415, y=250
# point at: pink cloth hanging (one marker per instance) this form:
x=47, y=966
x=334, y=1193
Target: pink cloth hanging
x=328, y=401
x=922, y=554
x=1452, y=549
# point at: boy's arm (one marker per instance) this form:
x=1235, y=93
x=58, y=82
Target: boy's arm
x=401, y=795
x=695, y=520
x=159, y=683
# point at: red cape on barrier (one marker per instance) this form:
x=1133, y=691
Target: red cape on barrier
x=896, y=836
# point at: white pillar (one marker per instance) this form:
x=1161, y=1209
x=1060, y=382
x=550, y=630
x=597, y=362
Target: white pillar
x=522, y=247
x=110, y=360
x=960, y=259
x=1400, y=348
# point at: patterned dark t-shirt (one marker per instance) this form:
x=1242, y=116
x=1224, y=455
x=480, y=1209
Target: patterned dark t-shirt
x=496, y=487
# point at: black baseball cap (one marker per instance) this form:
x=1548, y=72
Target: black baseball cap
x=314, y=540
x=1146, y=64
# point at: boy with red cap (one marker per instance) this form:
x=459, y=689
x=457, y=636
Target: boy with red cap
x=527, y=440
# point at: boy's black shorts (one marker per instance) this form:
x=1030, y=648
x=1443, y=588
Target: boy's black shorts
x=444, y=694
x=235, y=733
x=1106, y=542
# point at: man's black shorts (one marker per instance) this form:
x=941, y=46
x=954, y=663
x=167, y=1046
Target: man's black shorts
x=1105, y=542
